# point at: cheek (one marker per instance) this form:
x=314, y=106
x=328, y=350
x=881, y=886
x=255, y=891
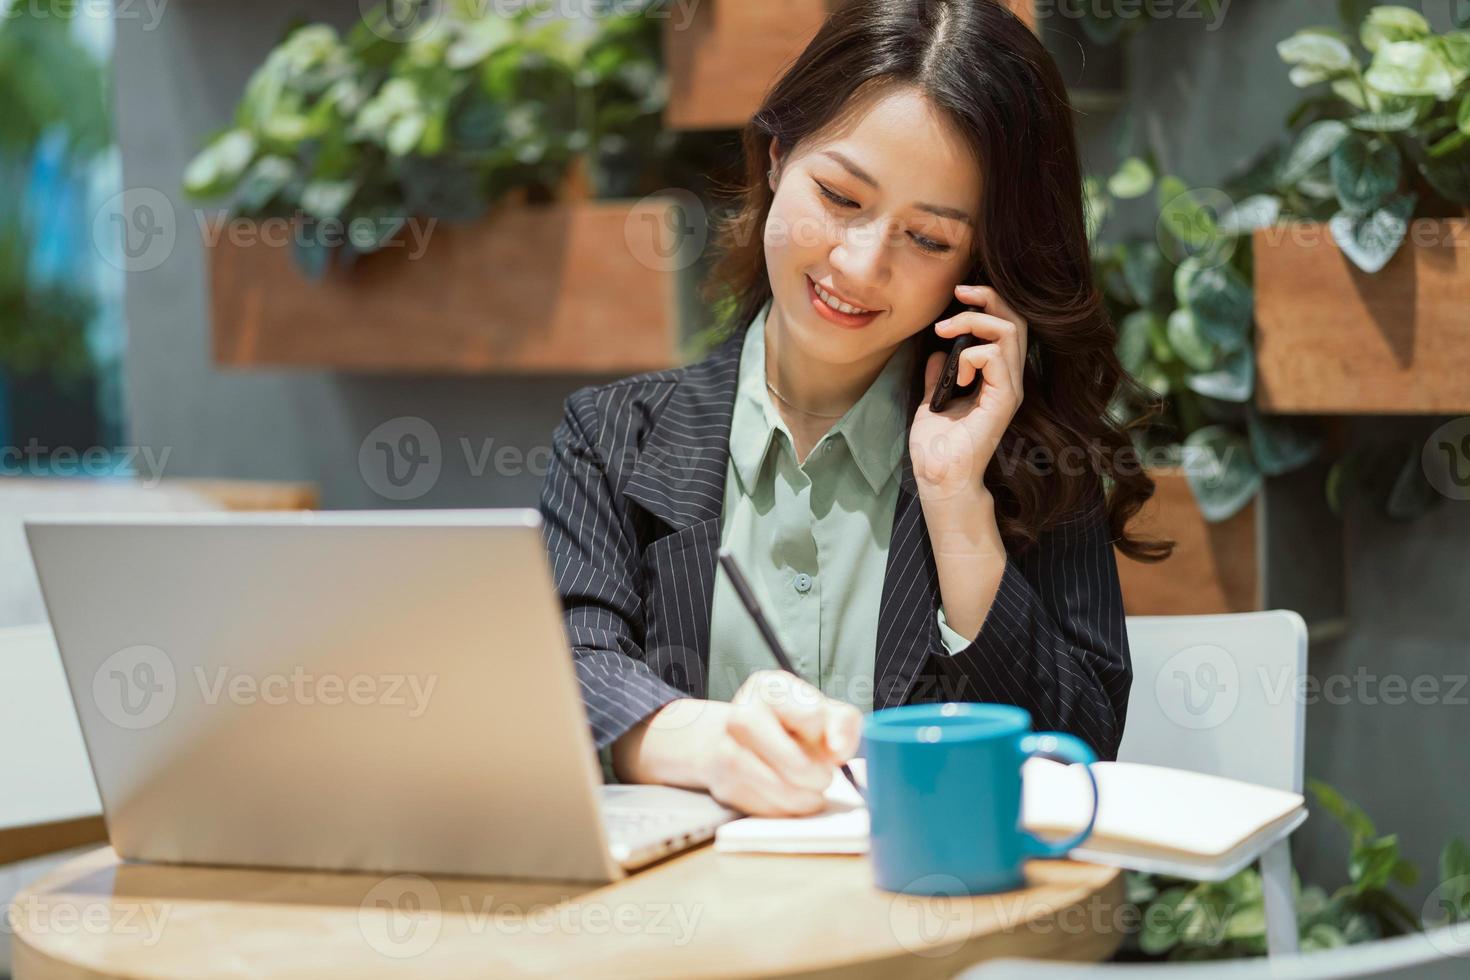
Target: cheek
x=796, y=228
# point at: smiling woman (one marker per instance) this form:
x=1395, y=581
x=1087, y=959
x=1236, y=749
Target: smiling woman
x=917, y=158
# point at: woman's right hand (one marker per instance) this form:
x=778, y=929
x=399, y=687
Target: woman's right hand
x=771, y=750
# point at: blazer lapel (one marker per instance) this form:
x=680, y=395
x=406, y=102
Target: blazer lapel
x=908, y=609
x=679, y=477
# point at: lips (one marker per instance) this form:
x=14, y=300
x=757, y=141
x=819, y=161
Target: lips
x=848, y=320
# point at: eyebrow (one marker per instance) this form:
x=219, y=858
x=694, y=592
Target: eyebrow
x=867, y=178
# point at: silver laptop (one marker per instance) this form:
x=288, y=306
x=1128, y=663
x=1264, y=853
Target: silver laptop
x=366, y=691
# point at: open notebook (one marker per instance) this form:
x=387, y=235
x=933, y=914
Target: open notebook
x=1150, y=818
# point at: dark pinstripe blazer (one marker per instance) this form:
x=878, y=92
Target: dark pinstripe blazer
x=631, y=506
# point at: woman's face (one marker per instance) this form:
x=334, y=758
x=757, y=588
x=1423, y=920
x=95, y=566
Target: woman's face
x=882, y=212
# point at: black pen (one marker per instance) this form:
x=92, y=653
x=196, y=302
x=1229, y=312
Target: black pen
x=747, y=598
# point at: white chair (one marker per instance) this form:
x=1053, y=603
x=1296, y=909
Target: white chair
x=1436, y=955
x=1221, y=695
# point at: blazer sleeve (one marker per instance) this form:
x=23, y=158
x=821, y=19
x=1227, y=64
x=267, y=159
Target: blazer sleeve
x=593, y=563
x=1054, y=641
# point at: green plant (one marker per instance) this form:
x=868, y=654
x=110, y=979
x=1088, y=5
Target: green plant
x=51, y=86
x=363, y=133
x=1389, y=140
x=1182, y=301
x=1187, y=920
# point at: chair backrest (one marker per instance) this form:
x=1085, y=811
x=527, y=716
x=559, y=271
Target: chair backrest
x=1436, y=955
x=1219, y=694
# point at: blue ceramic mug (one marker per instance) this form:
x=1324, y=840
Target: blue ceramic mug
x=944, y=796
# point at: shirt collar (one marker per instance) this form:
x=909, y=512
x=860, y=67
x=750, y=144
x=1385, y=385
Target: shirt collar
x=874, y=428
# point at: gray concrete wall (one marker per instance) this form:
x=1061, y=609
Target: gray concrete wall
x=1213, y=97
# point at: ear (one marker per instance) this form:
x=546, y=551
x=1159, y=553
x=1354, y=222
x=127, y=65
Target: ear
x=776, y=156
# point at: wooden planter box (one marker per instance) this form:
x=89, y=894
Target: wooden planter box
x=565, y=288
x=721, y=61
x=1331, y=339
x=1214, y=568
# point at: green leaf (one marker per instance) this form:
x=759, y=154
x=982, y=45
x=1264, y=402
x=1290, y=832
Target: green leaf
x=1281, y=444
x=1222, y=303
x=1365, y=171
x=1315, y=144
x=1410, y=68
x=1183, y=217
x=1392, y=23
x=1185, y=337
x=1143, y=270
x=1343, y=810
x=1233, y=381
x=1369, y=241
x=266, y=178
x=1372, y=862
x=1385, y=122
x=1161, y=925
x=1462, y=120
x=1323, y=51
x=1450, y=178
x=1134, y=178
x=1256, y=211
x=1218, y=468
x=1133, y=340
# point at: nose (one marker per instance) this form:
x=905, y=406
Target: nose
x=861, y=253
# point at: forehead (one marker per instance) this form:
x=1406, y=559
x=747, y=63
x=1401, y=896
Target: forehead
x=900, y=138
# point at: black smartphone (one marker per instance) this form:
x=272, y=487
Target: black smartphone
x=946, y=389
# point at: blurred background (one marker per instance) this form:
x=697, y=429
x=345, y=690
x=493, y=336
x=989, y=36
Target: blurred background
x=356, y=255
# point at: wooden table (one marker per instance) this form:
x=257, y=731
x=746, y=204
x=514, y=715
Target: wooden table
x=697, y=914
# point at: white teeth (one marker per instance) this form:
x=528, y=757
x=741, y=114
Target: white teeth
x=836, y=303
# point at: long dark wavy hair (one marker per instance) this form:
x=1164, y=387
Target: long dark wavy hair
x=985, y=69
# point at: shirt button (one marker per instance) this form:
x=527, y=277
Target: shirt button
x=803, y=583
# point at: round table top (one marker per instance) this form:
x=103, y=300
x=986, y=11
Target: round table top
x=699, y=913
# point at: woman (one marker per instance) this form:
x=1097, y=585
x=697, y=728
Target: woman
x=918, y=152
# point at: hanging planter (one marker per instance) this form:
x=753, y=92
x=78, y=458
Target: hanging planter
x=567, y=287
x=1214, y=567
x=1331, y=338
x=418, y=197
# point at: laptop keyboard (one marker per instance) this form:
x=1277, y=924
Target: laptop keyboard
x=639, y=825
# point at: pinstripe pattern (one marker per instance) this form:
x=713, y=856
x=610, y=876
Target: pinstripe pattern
x=632, y=504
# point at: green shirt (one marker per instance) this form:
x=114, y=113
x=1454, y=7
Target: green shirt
x=812, y=538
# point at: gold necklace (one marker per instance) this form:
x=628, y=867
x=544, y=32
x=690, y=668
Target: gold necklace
x=801, y=410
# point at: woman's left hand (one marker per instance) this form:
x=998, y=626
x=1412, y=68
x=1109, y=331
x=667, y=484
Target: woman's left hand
x=951, y=449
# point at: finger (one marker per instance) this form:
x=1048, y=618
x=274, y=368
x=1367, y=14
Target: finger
x=756, y=727
x=754, y=787
x=987, y=298
x=844, y=730
x=973, y=361
x=986, y=325
x=800, y=707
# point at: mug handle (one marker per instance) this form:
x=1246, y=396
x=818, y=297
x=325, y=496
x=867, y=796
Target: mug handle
x=1059, y=747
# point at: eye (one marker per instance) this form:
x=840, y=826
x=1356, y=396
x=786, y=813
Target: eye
x=836, y=199
x=927, y=244
x=930, y=245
